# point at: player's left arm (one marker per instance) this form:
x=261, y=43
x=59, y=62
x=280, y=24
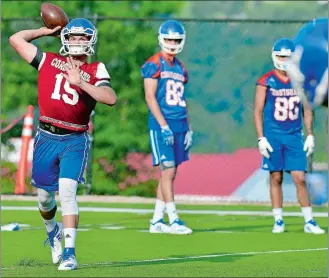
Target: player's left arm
x=188, y=117
x=308, y=118
x=102, y=91
x=309, y=144
x=188, y=141
x=102, y=94
x=185, y=82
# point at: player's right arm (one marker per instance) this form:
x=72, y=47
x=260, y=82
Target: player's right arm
x=21, y=41
x=260, y=97
x=150, y=73
x=150, y=88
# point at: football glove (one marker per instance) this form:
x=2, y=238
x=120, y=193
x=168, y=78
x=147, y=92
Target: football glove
x=264, y=147
x=167, y=135
x=188, y=141
x=309, y=145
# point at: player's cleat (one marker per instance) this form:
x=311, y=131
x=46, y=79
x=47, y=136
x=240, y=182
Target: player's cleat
x=55, y=241
x=278, y=227
x=69, y=261
x=311, y=227
x=178, y=228
x=159, y=227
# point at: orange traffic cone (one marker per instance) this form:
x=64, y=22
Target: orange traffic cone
x=20, y=187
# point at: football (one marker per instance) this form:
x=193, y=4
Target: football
x=53, y=16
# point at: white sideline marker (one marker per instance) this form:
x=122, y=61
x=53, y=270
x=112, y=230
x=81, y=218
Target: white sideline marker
x=145, y=211
x=112, y=227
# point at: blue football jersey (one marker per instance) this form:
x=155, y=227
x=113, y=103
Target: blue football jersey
x=172, y=78
x=310, y=70
x=283, y=109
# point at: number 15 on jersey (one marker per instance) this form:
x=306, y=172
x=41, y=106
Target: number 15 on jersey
x=74, y=95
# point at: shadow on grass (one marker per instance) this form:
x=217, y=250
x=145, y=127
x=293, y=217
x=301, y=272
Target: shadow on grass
x=214, y=258
x=264, y=228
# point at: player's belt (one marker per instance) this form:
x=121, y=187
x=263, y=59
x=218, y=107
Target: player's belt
x=55, y=129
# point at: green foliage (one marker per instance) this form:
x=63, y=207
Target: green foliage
x=8, y=172
x=16, y=131
x=147, y=189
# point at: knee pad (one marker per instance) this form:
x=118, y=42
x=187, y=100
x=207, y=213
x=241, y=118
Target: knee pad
x=67, y=196
x=167, y=165
x=46, y=200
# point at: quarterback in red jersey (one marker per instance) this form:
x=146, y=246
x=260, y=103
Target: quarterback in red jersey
x=73, y=106
x=68, y=89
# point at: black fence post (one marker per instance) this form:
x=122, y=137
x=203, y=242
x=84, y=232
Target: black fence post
x=89, y=168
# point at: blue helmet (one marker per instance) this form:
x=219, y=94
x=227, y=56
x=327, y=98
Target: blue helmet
x=308, y=69
x=78, y=26
x=282, y=47
x=173, y=30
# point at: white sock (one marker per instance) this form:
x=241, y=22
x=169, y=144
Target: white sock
x=158, y=210
x=50, y=224
x=307, y=212
x=277, y=213
x=70, y=235
x=171, y=210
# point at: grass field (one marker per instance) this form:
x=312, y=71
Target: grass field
x=113, y=244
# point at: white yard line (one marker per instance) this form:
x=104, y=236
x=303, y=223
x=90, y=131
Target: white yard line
x=179, y=199
x=190, y=257
x=147, y=211
x=203, y=257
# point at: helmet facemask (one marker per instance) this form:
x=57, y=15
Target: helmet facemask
x=171, y=48
x=281, y=64
x=78, y=48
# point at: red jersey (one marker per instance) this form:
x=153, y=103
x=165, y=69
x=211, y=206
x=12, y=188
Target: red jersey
x=62, y=104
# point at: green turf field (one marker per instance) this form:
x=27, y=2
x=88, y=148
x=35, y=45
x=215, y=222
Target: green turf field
x=113, y=244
